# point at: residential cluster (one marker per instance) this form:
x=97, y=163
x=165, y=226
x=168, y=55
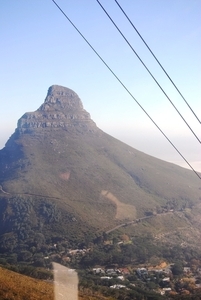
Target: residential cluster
x=158, y=279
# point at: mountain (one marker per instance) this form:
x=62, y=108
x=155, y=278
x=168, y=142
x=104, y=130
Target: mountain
x=63, y=178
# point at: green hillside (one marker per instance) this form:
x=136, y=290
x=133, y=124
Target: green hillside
x=62, y=178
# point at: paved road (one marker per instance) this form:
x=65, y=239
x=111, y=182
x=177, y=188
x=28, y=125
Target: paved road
x=135, y=221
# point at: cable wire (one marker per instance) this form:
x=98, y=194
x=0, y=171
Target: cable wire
x=157, y=61
x=148, y=71
x=125, y=88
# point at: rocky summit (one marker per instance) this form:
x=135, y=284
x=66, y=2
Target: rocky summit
x=62, y=109
x=64, y=179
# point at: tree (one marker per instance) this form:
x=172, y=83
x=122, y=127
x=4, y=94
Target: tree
x=177, y=268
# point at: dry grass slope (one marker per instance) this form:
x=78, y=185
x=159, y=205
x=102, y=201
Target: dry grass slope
x=20, y=287
x=14, y=286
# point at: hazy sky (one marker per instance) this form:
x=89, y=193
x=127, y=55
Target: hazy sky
x=39, y=48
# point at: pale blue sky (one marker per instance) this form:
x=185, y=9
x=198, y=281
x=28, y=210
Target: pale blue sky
x=39, y=48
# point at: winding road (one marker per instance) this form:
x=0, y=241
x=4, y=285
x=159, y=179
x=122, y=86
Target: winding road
x=136, y=221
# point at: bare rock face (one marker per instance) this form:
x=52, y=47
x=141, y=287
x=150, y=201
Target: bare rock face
x=62, y=108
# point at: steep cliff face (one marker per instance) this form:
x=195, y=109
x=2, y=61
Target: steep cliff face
x=62, y=109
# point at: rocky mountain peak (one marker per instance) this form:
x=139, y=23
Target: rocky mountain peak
x=60, y=98
x=62, y=108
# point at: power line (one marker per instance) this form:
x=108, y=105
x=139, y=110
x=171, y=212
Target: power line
x=157, y=61
x=148, y=71
x=125, y=87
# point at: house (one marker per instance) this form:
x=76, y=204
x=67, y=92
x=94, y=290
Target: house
x=117, y=286
x=124, y=271
x=141, y=272
x=187, y=270
x=111, y=272
x=98, y=271
x=167, y=289
x=77, y=251
x=120, y=277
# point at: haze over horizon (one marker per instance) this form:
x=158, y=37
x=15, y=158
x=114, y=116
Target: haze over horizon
x=41, y=49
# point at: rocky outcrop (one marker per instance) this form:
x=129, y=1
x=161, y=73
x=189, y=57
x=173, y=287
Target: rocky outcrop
x=62, y=108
